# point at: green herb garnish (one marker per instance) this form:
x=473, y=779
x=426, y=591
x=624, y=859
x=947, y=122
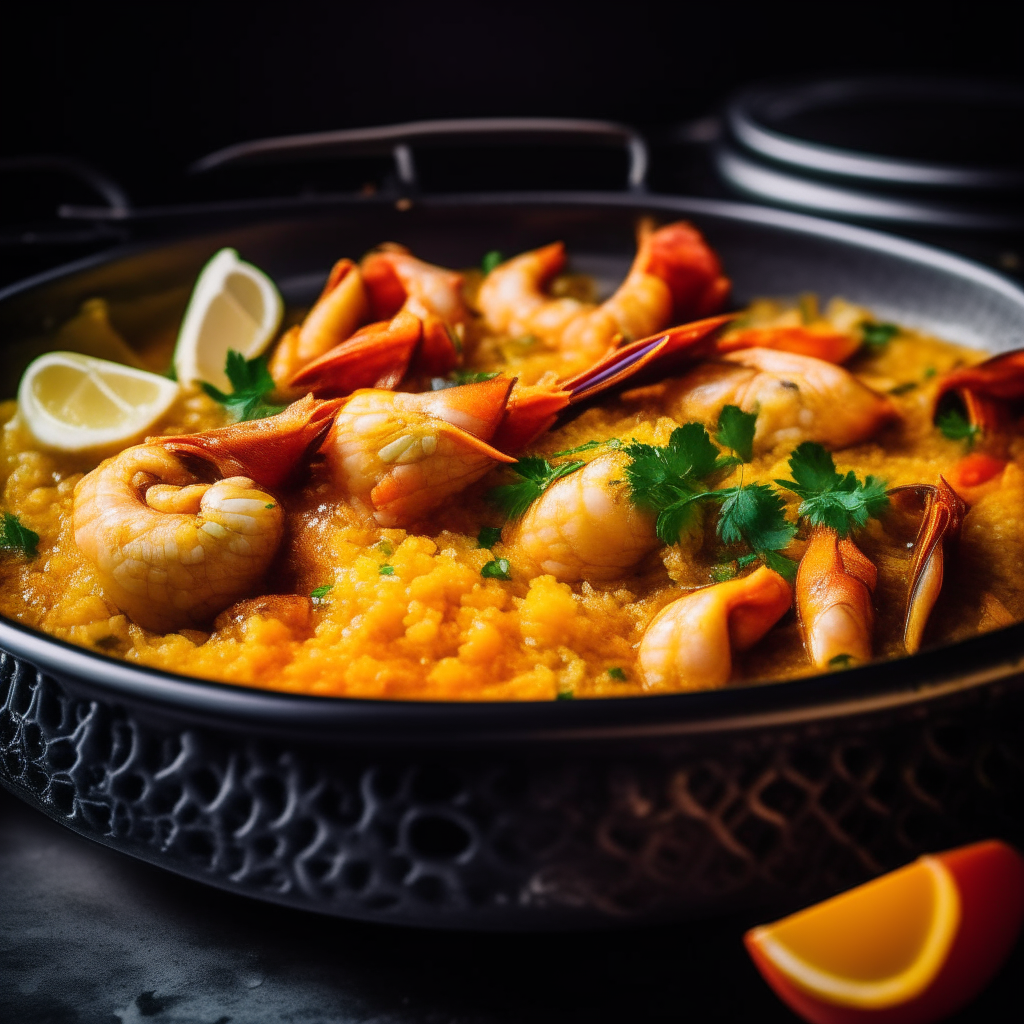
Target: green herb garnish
x=320, y=593
x=488, y=536
x=736, y=431
x=955, y=425
x=829, y=498
x=491, y=260
x=589, y=446
x=385, y=548
x=565, y=695
x=723, y=572
x=538, y=475
x=877, y=335
x=15, y=537
x=902, y=389
x=669, y=480
x=617, y=674
x=840, y=661
x=269, y=505
x=755, y=515
x=459, y=377
x=386, y=570
x=250, y=382
x=497, y=569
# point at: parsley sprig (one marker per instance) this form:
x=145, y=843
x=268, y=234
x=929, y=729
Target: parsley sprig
x=537, y=476
x=829, y=498
x=672, y=481
x=957, y=427
x=250, y=382
x=15, y=537
x=877, y=335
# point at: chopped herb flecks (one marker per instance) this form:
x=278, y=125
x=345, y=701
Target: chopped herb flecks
x=955, y=425
x=617, y=674
x=564, y=695
x=829, y=498
x=538, y=475
x=840, y=661
x=385, y=548
x=488, y=536
x=878, y=335
x=497, y=569
x=319, y=595
x=491, y=260
x=250, y=381
x=902, y=389
x=15, y=537
x=386, y=570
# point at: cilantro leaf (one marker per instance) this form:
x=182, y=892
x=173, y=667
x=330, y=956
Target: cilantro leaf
x=828, y=498
x=736, y=431
x=250, y=382
x=491, y=260
x=497, y=569
x=538, y=475
x=319, y=594
x=955, y=425
x=617, y=674
x=754, y=515
x=488, y=536
x=877, y=335
x=386, y=570
x=15, y=537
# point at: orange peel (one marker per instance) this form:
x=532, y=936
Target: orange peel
x=909, y=947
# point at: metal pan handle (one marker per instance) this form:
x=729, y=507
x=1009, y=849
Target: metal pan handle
x=399, y=140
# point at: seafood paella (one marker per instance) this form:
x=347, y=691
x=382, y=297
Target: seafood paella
x=498, y=484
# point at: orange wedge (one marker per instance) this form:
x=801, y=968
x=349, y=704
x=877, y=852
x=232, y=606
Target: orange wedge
x=910, y=947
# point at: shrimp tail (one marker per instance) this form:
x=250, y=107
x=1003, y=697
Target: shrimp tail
x=383, y=285
x=834, y=587
x=986, y=392
x=342, y=307
x=268, y=451
x=533, y=410
x=678, y=254
x=379, y=355
x=478, y=408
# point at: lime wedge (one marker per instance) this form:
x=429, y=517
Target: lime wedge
x=234, y=305
x=76, y=403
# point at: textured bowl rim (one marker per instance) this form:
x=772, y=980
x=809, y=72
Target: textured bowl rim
x=901, y=682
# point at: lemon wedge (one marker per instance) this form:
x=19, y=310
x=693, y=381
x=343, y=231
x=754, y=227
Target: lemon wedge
x=234, y=305
x=75, y=403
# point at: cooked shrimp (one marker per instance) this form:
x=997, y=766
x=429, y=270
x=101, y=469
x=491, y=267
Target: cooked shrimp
x=400, y=455
x=171, y=549
x=797, y=398
x=397, y=280
x=584, y=526
x=342, y=307
x=674, y=277
x=689, y=644
x=834, y=585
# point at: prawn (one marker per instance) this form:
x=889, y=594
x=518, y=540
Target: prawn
x=584, y=526
x=689, y=644
x=834, y=585
x=797, y=398
x=400, y=455
x=170, y=547
x=674, y=277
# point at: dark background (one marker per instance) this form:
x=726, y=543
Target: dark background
x=143, y=91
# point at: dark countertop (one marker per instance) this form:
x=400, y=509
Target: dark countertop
x=89, y=935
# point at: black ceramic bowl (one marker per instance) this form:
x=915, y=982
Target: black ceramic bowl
x=531, y=815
